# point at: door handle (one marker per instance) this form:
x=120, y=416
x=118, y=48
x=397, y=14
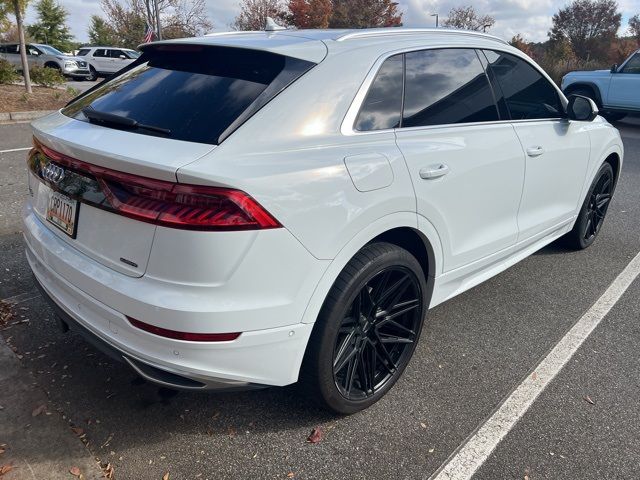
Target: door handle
x=535, y=151
x=434, y=171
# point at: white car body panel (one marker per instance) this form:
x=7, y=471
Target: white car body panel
x=332, y=189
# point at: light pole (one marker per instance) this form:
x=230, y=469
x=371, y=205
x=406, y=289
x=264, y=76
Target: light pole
x=155, y=4
x=435, y=15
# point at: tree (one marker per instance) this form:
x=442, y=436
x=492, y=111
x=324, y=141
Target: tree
x=310, y=13
x=253, y=14
x=101, y=33
x=365, y=14
x=588, y=25
x=128, y=19
x=634, y=27
x=51, y=26
x=521, y=44
x=17, y=8
x=466, y=18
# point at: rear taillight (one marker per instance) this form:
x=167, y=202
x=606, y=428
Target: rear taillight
x=192, y=207
x=187, y=336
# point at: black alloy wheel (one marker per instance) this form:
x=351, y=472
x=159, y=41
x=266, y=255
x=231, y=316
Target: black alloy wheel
x=367, y=330
x=594, y=209
x=377, y=332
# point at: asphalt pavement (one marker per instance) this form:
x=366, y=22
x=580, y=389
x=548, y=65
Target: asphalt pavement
x=474, y=351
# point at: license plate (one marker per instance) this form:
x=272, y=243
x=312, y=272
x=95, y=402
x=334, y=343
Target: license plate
x=63, y=213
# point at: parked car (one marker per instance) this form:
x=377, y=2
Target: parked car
x=251, y=209
x=105, y=61
x=46, y=56
x=616, y=91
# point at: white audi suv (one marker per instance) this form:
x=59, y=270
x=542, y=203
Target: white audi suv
x=258, y=208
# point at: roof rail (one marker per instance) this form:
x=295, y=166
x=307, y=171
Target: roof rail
x=414, y=31
x=231, y=32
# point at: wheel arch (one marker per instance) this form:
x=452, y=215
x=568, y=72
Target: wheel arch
x=590, y=85
x=401, y=229
x=51, y=64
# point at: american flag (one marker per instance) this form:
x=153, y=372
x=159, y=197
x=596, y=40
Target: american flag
x=148, y=36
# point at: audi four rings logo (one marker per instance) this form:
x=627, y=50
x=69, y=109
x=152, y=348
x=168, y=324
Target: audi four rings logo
x=53, y=173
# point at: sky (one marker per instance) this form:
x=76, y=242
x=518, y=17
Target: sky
x=531, y=18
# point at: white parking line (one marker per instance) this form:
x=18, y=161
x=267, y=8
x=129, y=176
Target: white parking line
x=15, y=150
x=470, y=456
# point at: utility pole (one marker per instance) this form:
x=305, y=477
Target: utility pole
x=435, y=15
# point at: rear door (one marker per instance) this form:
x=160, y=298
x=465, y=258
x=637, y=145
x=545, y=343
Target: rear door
x=101, y=60
x=12, y=55
x=624, y=88
x=557, y=151
x=467, y=166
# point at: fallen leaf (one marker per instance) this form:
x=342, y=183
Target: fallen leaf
x=75, y=471
x=5, y=469
x=107, y=471
x=423, y=425
x=38, y=410
x=431, y=450
x=165, y=476
x=291, y=475
x=588, y=400
x=315, y=436
x=534, y=376
x=77, y=430
x=3, y=448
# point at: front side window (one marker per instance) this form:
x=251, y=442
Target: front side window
x=116, y=53
x=382, y=108
x=83, y=52
x=633, y=65
x=527, y=93
x=446, y=86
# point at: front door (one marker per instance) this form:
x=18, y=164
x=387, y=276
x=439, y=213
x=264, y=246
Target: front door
x=624, y=88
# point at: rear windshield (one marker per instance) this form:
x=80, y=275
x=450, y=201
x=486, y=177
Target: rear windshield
x=193, y=93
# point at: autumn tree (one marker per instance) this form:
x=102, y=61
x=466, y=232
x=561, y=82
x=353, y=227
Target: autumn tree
x=634, y=27
x=253, y=14
x=128, y=19
x=588, y=25
x=365, y=14
x=51, y=27
x=466, y=18
x=521, y=44
x=310, y=13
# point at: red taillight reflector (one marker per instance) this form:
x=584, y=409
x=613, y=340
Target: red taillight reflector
x=175, y=205
x=188, y=336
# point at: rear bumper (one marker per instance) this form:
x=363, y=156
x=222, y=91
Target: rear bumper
x=96, y=300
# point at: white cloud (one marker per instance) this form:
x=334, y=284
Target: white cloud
x=531, y=18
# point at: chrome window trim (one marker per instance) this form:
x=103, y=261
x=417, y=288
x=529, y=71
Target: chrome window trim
x=347, y=127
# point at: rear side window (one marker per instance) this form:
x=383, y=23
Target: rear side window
x=382, y=108
x=446, y=86
x=100, y=52
x=527, y=93
x=192, y=93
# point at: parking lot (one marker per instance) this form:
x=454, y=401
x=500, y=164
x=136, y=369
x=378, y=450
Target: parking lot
x=474, y=351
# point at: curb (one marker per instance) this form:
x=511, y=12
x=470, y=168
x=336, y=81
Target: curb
x=18, y=117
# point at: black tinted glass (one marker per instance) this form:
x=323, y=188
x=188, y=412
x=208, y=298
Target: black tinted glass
x=446, y=86
x=83, y=51
x=195, y=92
x=527, y=93
x=633, y=65
x=383, y=105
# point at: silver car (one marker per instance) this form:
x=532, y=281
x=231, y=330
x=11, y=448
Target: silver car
x=46, y=56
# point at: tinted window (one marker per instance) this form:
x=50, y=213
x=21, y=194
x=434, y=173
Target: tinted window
x=633, y=65
x=116, y=53
x=10, y=49
x=527, y=93
x=195, y=92
x=83, y=51
x=383, y=106
x=446, y=86
x=101, y=52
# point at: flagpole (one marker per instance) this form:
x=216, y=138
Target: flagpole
x=155, y=3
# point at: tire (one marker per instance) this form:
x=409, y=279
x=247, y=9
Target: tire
x=594, y=209
x=613, y=116
x=93, y=76
x=348, y=367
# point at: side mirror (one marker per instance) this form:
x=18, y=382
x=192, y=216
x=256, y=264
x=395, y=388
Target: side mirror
x=614, y=68
x=582, y=108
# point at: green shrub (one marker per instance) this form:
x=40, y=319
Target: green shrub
x=46, y=77
x=8, y=74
